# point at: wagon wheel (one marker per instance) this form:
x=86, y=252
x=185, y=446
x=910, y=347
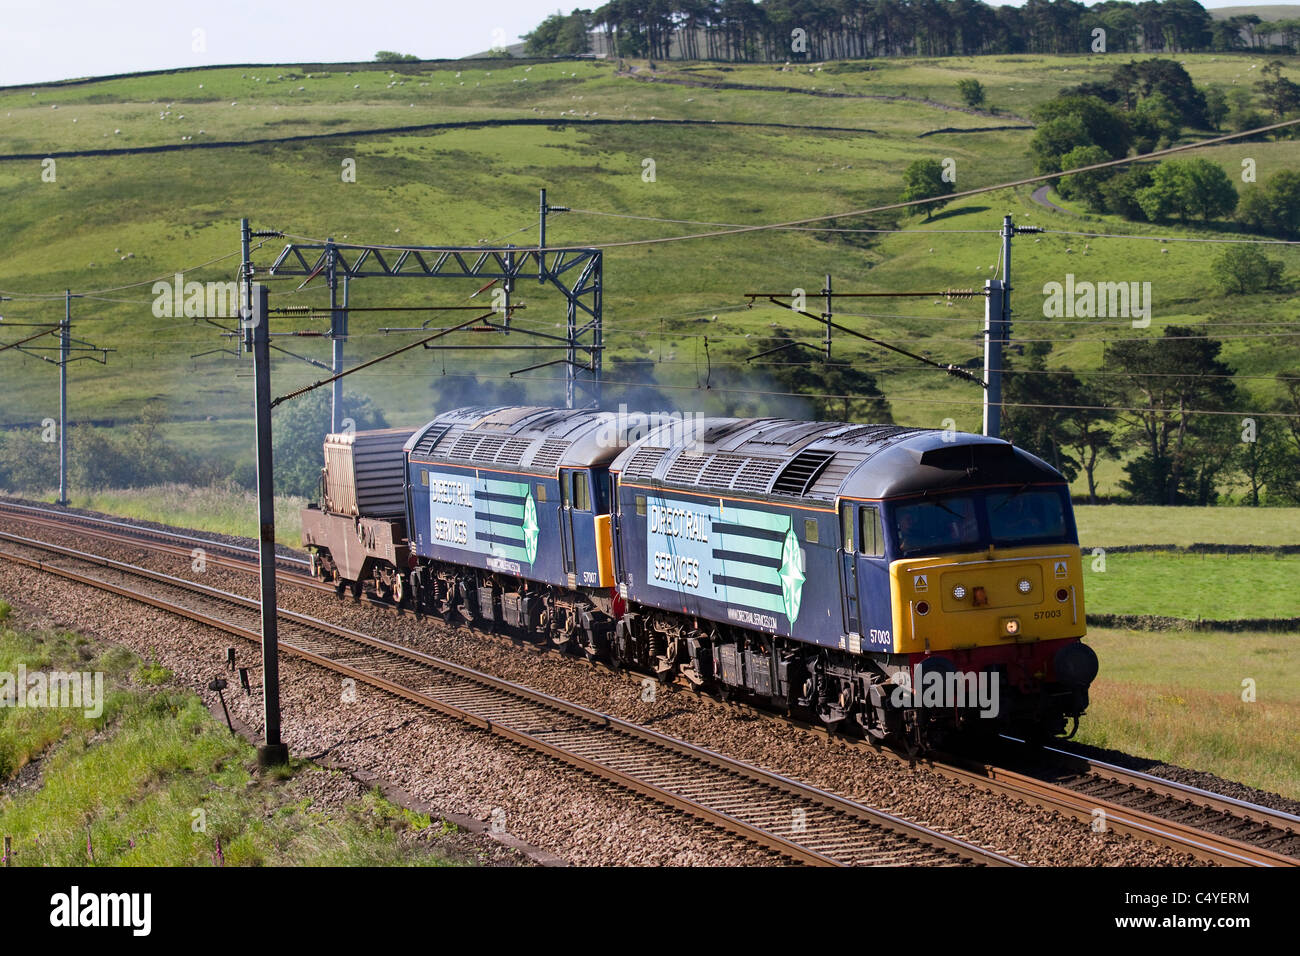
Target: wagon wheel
x=356, y=590
x=399, y=589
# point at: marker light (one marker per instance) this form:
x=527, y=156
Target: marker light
x=1011, y=626
x=923, y=608
x=959, y=593
x=1062, y=595
x=1024, y=585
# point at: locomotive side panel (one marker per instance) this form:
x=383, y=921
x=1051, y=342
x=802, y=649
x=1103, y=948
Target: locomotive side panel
x=755, y=565
x=486, y=520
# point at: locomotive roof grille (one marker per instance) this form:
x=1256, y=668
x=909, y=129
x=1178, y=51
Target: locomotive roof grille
x=801, y=473
x=548, y=456
x=643, y=463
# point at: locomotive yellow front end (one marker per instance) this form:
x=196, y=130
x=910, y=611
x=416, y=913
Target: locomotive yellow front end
x=1004, y=612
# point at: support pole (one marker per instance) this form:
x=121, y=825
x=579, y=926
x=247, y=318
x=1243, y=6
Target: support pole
x=997, y=329
x=256, y=334
x=541, y=242
x=64, y=344
x=245, y=275
x=338, y=331
x=826, y=341
x=994, y=336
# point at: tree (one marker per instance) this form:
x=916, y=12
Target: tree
x=1241, y=270
x=1029, y=415
x=388, y=56
x=1187, y=188
x=924, y=179
x=298, y=434
x=1216, y=107
x=1120, y=192
x=560, y=35
x=800, y=371
x=972, y=92
x=1170, y=381
x=1274, y=206
x=1281, y=96
x=1169, y=79
x=1068, y=122
x=1085, y=187
x=1156, y=123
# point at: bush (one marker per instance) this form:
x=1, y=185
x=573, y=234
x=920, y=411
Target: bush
x=1273, y=207
x=1244, y=269
x=1187, y=188
x=971, y=91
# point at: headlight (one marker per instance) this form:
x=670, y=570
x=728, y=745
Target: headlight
x=959, y=593
x=1011, y=626
x=1025, y=585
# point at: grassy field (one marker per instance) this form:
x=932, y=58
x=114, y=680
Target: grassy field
x=155, y=781
x=1108, y=526
x=1177, y=697
x=109, y=222
x=1214, y=586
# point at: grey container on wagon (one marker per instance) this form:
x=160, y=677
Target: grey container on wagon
x=365, y=473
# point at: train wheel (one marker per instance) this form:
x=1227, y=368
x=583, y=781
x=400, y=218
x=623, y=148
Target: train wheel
x=399, y=589
x=339, y=587
x=356, y=590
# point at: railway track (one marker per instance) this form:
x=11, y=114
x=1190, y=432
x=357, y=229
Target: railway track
x=798, y=822
x=215, y=551
x=1209, y=826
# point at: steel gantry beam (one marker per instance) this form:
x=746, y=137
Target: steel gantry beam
x=576, y=273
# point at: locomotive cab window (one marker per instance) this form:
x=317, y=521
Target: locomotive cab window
x=581, y=491
x=871, y=540
x=1026, y=516
x=810, y=530
x=930, y=524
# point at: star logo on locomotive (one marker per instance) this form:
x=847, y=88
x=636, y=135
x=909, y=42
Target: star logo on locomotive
x=531, y=530
x=791, y=574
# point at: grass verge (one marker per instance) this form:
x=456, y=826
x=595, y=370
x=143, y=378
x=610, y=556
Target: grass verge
x=1178, y=697
x=155, y=781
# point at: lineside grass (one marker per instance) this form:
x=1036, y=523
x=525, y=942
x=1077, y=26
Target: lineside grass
x=1214, y=586
x=1109, y=526
x=157, y=782
x=1177, y=697
x=219, y=509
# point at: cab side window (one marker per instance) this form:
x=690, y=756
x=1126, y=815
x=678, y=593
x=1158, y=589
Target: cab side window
x=581, y=491
x=871, y=540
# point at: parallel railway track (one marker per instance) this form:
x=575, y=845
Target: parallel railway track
x=793, y=820
x=1209, y=826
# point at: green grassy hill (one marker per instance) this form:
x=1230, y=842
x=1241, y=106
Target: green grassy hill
x=112, y=222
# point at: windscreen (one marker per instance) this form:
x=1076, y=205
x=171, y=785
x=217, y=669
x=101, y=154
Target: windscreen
x=1025, y=516
x=936, y=523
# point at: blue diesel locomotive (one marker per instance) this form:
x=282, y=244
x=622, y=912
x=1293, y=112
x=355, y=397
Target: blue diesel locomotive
x=904, y=582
